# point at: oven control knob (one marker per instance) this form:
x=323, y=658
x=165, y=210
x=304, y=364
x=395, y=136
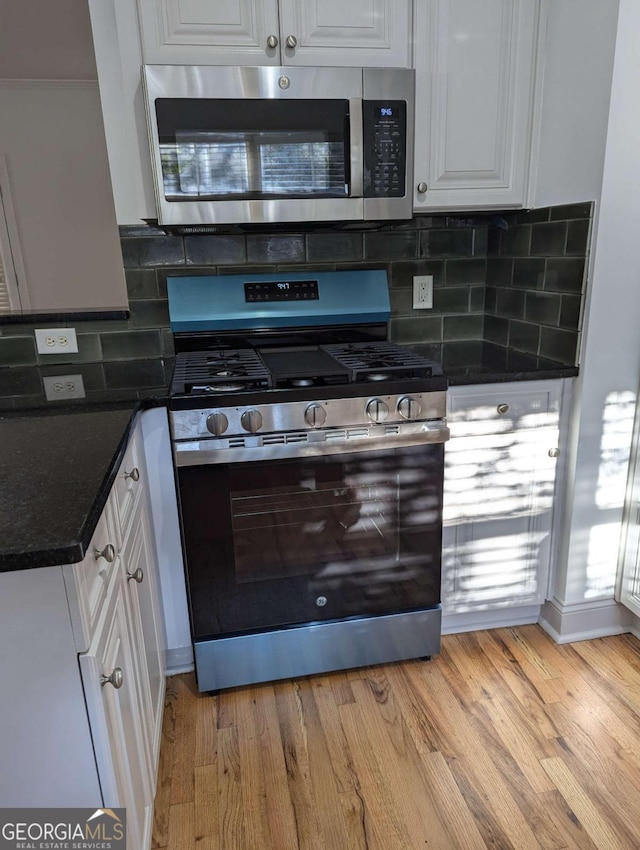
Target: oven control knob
x=217, y=423
x=377, y=410
x=409, y=408
x=315, y=415
x=251, y=421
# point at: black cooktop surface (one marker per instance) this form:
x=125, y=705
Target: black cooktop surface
x=227, y=371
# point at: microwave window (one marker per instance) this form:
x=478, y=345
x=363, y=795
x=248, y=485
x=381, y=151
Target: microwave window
x=253, y=149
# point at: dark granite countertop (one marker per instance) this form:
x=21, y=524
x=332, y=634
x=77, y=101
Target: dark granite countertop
x=56, y=471
x=479, y=362
x=58, y=460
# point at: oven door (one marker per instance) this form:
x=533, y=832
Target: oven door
x=276, y=543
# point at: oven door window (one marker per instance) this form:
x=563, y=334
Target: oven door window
x=283, y=542
x=253, y=149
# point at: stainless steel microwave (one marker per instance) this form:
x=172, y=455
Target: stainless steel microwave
x=232, y=145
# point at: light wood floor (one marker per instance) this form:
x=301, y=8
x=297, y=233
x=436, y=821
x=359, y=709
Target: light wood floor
x=505, y=740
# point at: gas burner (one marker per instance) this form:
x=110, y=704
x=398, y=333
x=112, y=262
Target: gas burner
x=377, y=376
x=229, y=373
x=217, y=388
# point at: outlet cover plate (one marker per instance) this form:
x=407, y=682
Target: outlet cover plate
x=56, y=340
x=63, y=387
x=423, y=292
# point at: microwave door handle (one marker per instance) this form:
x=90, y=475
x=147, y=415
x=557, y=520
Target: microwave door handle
x=357, y=147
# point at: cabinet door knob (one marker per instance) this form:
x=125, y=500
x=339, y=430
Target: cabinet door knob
x=292, y=41
x=272, y=41
x=502, y=409
x=116, y=679
x=108, y=553
x=422, y=188
x=554, y=452
x=134, y=475
x=136, y=575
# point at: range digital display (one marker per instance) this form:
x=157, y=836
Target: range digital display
x=281, y=290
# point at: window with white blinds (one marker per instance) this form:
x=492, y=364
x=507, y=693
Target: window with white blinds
x=5, y=306
x=10, y=300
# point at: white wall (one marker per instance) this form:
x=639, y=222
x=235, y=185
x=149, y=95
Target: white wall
x=46, y=40
x=52, y=138
x=579, y=45
x=610, y=372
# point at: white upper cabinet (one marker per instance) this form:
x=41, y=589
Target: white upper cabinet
x=369, y=33
x=475, y=76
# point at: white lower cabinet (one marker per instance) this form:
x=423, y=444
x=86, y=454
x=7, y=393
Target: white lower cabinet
x=83, y=659
x=500, y=473
x=123, y=670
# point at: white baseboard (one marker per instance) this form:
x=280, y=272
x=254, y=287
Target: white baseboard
x=473, y=621
x=567, y=623
x=179, y=660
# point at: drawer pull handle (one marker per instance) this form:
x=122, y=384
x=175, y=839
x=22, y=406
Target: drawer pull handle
x=136, y=575
x=134, y=475
x=108, y=553
x=116, y=679
x=554, y=452
x=502, y=409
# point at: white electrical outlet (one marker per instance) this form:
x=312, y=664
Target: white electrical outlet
x=56, y=340
x=423, y=292
x=62, y=387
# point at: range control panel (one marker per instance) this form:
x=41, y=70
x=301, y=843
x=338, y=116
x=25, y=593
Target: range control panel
x=385, y=145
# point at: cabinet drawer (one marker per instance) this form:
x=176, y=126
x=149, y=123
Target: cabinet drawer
x=128, y=484
x=87, y=581
x=499, y=411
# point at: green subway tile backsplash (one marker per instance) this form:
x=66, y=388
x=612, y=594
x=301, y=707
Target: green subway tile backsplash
x=18, y=351
x=515, y=277
x=132, y=345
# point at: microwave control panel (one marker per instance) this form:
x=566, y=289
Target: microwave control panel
x=385, y=148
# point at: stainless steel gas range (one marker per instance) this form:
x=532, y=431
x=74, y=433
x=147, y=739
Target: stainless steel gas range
x=309, y=460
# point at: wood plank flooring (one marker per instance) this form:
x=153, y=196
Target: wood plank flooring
x=505, y=740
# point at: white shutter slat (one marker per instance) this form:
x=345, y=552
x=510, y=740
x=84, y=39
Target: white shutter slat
x=5, y=305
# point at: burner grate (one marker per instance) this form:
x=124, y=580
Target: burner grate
x=211, y=371
x=379, y=360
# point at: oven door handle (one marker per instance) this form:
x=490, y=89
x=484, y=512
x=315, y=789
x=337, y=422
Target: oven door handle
x=202, y=452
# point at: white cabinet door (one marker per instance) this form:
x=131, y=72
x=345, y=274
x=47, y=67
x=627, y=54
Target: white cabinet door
x=498, y=496
x=206, y=32
x=360, y=33
x=629, y=593
x=628, y=589
x=146, y=629
x=474, y=62
x=300, y=32
x=114, y=711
